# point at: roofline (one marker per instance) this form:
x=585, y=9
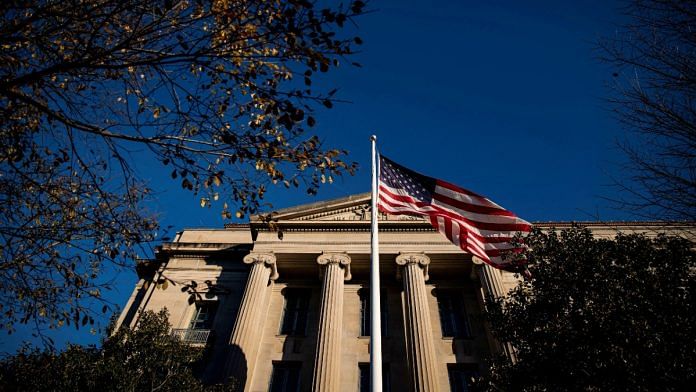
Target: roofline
x=558, y=224
x=310, y=207
x=614, y=223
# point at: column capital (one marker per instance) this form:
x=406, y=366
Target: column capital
x=267, y=258
x=340, y=258
x=412, y=258
x=419, y=259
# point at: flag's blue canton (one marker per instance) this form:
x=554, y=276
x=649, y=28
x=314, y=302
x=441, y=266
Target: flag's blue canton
x=415, y=184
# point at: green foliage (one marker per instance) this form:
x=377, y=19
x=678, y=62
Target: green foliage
x=600, y=314
x=219, y=93
x=147, y=358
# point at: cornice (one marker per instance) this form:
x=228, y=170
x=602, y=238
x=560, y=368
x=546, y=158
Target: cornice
x=612, y=224
x=544, y=224
x=200, y=249
x=344, y=225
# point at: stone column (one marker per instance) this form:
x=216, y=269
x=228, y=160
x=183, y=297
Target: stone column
x=420, y=348
x=327, y=363
x=246, y=335
x=493, y=288
x=491, y=280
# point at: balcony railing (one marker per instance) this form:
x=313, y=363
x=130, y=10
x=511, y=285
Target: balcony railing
x=192, y=336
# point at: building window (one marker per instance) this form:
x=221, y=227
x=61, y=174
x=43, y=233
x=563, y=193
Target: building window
x=285, y=377
x=204, y=315
x=201, y=324
x=364, y=369
x=295, y=312
x=461, y=377
x=365, y=313
x=453, y=318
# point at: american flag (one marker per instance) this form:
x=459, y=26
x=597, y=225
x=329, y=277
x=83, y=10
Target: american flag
x=470, y=221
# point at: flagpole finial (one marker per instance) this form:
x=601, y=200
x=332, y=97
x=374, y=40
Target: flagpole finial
x=373, y=138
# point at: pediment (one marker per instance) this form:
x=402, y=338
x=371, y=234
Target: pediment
x=350, y=208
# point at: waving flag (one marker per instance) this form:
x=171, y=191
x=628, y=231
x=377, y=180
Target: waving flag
x=472, y=222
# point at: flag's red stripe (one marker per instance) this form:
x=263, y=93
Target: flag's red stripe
x=472, y=215
x=438, y=211
x=444, y=213
x=455, y=188
x=448, y=229
x=433, y=222
x=487, y=255
x=472, y=207
x=477, y=251
x=411, y=200
x=479, y=225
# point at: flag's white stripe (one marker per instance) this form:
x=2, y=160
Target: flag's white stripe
x=473, y=245
x=404, y=209
x=473, y=217
x=483, y=218
x=499, y=246
x=484, y=233
x=441, y=224
x=456, y=236
x=463, y=197
x=426, y=210
x=467, y=220
x=476, y=250
x=456, y=224
x=396, y=191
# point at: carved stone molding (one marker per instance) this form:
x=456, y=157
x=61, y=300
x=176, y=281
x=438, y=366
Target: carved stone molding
x=342, y=259
x=419, y=259
x=268, y=259
x=355, y=213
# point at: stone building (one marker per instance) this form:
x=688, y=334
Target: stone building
x=284, y=306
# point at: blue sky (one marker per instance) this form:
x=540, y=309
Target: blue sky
x=505, y=98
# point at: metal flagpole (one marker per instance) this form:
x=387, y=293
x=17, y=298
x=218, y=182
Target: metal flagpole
x=375, y=322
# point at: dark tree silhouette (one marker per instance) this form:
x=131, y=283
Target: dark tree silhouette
x=144, y=359
x=599, y=314
x=654, y=55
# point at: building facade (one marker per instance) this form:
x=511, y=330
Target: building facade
x=282, y=304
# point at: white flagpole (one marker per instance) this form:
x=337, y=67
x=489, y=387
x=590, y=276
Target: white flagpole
x=375, y=322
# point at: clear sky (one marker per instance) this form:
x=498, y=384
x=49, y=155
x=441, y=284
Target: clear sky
x=505, y=98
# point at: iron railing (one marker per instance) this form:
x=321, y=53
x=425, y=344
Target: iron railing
x=192, y=336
